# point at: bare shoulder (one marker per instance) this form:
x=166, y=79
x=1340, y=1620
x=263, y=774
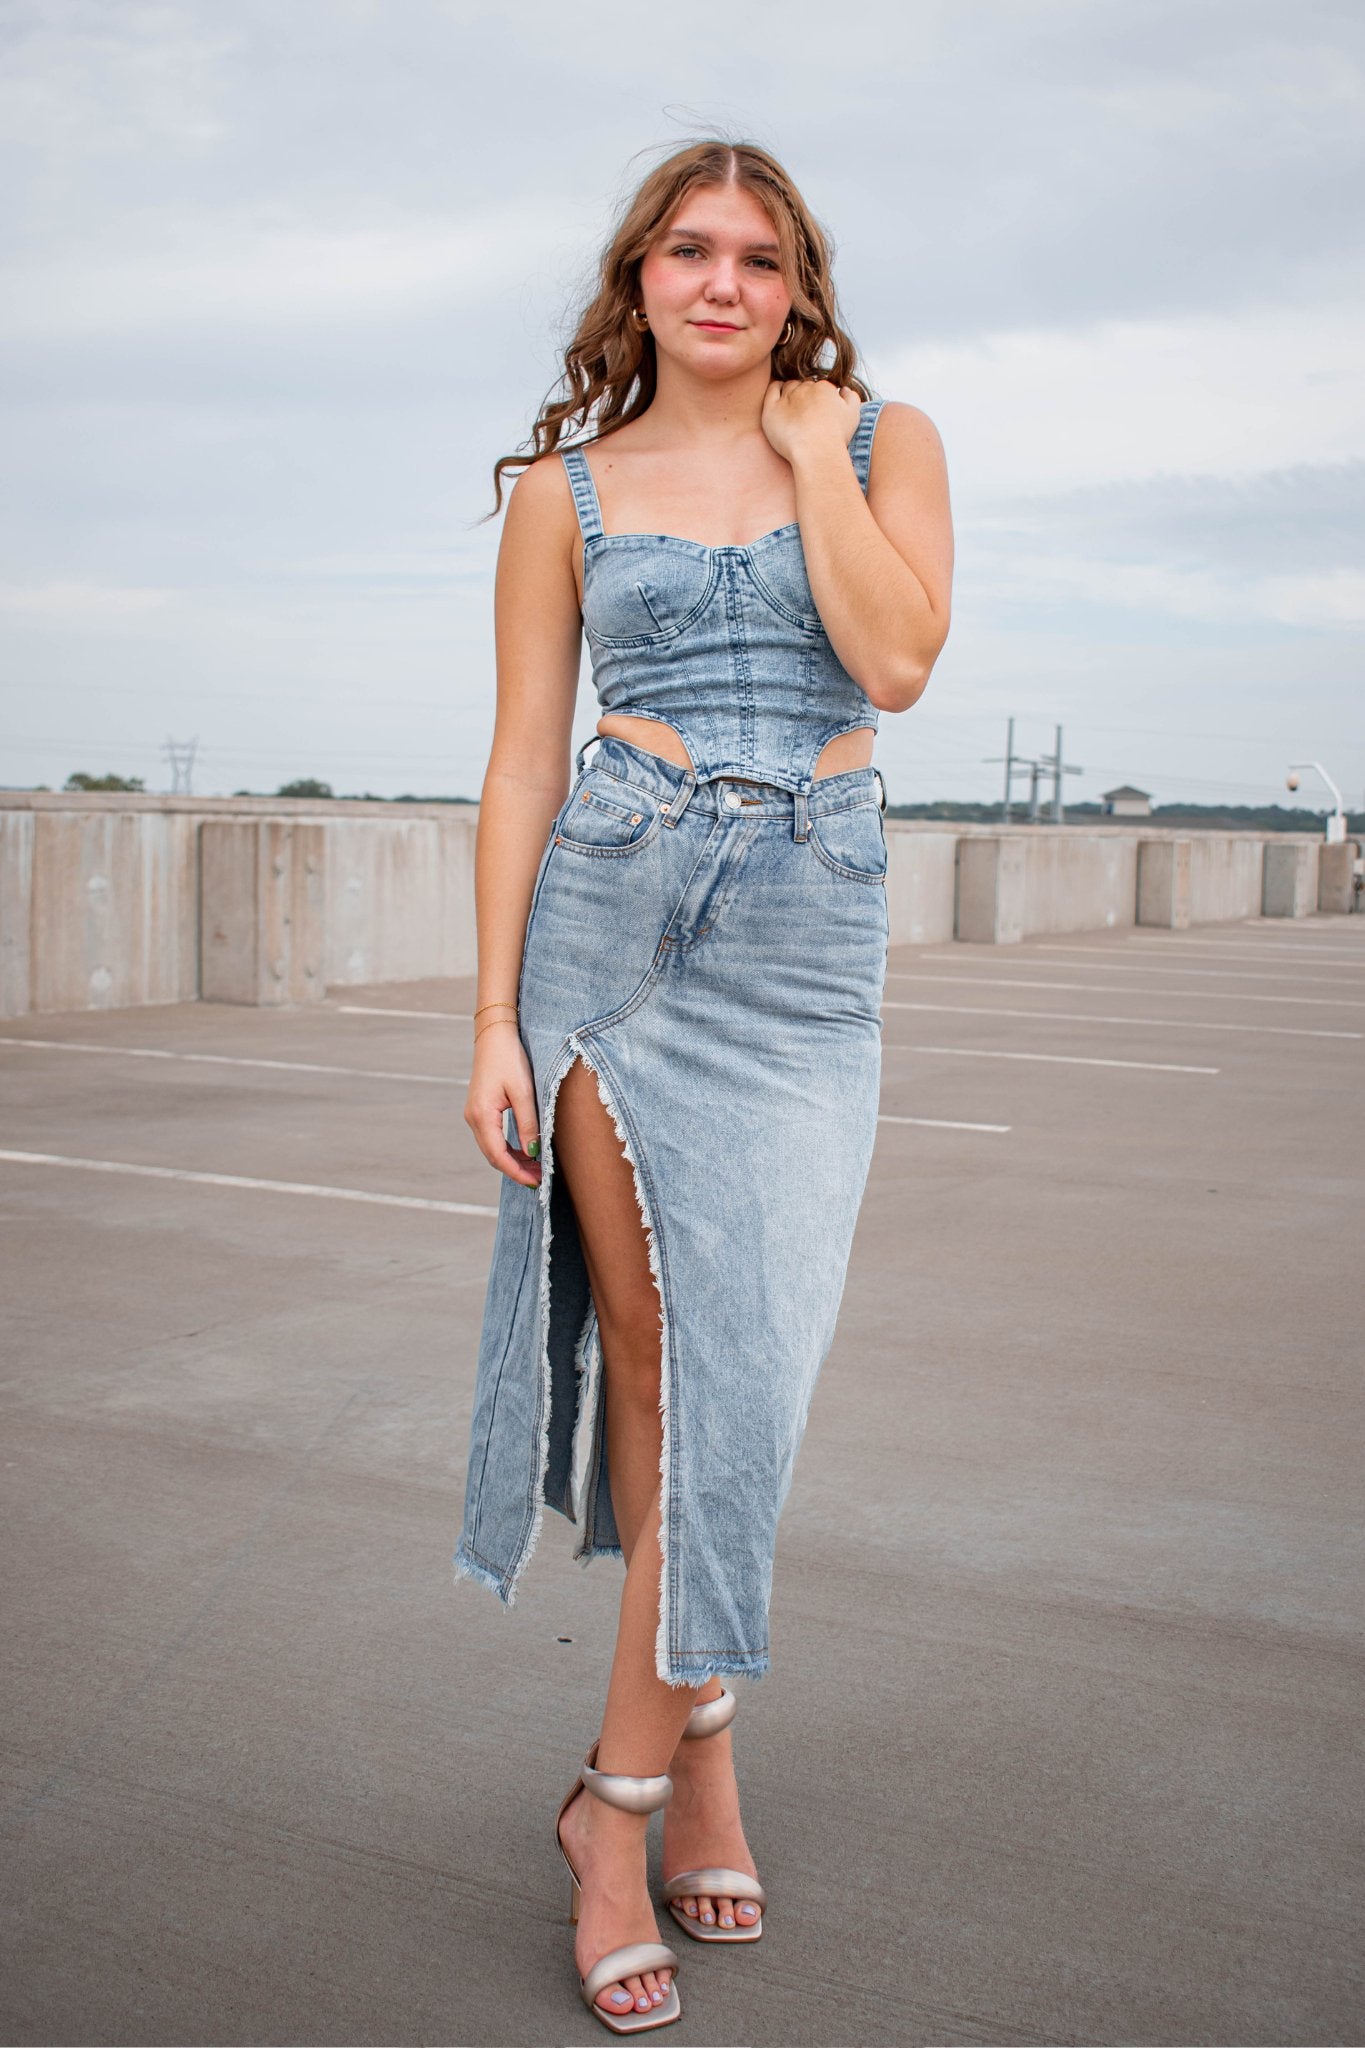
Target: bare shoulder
x=541, y=499
x=907, y=435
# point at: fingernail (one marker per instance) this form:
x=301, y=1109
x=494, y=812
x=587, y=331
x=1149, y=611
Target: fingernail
x=533, y=1149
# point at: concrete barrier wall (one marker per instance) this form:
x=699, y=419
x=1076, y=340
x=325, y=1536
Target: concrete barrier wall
x=921, y=868
x=113, y=901
x=400, y=898
x=1226, y=871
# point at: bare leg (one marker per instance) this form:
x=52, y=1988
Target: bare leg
x=644, y=1717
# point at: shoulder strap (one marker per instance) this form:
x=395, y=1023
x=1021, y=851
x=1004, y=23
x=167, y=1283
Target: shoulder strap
x=584, y=492
x=860, y=447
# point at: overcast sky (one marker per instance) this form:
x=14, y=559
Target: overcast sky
x=281, y=280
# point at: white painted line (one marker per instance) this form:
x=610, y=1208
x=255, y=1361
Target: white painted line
x=382, y=1010
x=1248, y=949
x=1051, y=1059
x=223, y=1059
x=1099, y=988
x=940, y=1123
x=236, y=1180
x=1113, y=966
x=1153, y=1023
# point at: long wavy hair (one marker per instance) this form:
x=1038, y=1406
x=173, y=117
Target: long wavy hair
x=610, y=369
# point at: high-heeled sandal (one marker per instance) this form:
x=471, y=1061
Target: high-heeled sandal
x=708, y=1717
x=633, y=1795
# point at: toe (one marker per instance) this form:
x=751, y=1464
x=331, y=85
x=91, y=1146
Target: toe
x=706, y=1911
x=725, y=1912
x=636, y=1988
x=615, y=1998
x=654, y=1987
x=747, y=1911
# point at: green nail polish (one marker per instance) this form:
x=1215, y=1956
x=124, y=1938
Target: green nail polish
x=533, y=1149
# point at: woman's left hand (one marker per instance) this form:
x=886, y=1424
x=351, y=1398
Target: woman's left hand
x=806, y=414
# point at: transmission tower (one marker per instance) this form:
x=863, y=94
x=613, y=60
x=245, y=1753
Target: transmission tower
x=180, y=754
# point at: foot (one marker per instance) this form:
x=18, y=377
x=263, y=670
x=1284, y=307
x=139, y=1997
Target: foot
x=702, y=1826
x=607, y=1849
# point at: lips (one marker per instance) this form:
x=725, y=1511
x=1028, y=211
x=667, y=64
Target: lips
x=718, y=326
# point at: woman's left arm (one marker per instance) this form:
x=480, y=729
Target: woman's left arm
x=880, y=566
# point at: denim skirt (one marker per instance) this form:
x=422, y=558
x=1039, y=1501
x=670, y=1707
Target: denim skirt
x=715, y=953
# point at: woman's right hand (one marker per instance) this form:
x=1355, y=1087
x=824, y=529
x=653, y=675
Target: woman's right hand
x=502, y=1080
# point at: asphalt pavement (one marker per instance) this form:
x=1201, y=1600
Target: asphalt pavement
x=1063, y=1736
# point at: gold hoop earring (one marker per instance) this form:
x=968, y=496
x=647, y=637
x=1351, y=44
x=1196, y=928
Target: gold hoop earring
x=639, y=319
x=788, y=334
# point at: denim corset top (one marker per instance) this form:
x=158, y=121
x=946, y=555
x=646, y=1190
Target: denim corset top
x=724, y=644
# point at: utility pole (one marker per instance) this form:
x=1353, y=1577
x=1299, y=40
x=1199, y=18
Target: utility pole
x=1014, y=764
x=180, y=754
x=1059, y=767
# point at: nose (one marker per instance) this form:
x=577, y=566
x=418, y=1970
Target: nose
x=723, y=283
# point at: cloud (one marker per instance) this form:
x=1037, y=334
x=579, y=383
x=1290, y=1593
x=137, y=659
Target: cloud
x=1041, y=411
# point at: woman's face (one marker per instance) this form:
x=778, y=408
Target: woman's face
x=711, y=283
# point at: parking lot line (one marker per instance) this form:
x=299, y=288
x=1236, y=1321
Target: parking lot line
x=238, y=1180
x=382, y=1010
x=1051, y=1059
x=224, y=1059
x=1150, y=1023
x=1249, y=949
x=1098, y=988
x=1112, y=966
x=941, y=1123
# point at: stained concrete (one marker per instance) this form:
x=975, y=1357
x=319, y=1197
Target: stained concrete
x=1063, y=1738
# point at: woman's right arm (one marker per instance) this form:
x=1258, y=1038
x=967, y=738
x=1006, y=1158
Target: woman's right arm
x=538, y=630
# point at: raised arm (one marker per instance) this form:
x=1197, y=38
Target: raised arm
x=881, y=565
x=539, y=639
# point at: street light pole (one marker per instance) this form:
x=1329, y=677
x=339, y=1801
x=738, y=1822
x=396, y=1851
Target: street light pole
x=1335, y=829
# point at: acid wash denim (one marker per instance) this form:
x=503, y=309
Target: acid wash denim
x=711, y=943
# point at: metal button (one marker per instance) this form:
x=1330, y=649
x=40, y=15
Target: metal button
x=732, y=799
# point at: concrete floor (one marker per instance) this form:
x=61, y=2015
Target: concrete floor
x=1063, y=1738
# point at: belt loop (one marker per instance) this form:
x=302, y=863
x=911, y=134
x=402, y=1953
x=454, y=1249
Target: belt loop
x=801, y=815
x=678, y=803
x=881, y=787
x=594, y=739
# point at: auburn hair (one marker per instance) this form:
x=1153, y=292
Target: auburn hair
x=610, y=371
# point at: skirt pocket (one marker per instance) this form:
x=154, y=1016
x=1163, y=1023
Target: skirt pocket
x=607, y=817
x=852, y=842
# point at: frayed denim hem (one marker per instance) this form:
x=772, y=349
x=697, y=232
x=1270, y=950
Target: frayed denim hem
x=467, y=1567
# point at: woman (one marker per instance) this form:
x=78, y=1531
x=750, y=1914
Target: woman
x=681, y=1001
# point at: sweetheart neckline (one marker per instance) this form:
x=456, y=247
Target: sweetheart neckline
x=708, y=548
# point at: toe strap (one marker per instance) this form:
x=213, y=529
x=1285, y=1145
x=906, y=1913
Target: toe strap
x=714, y=1884
x=631, y=1961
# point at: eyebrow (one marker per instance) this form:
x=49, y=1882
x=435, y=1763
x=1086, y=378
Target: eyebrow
x=695, y=235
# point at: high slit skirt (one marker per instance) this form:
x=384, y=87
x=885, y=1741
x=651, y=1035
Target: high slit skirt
x=715, y=953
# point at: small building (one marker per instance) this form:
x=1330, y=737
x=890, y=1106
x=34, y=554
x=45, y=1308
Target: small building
x=1126, y=802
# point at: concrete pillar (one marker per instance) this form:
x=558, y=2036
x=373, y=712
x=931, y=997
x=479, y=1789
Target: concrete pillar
x=1289, y=886
x=1163, y=883
x=16, y=911
x=1338, y=865
x=990, y=890
x=261, y=911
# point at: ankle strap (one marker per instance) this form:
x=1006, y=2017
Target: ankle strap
x=710, y=1716
x=632, y=1795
